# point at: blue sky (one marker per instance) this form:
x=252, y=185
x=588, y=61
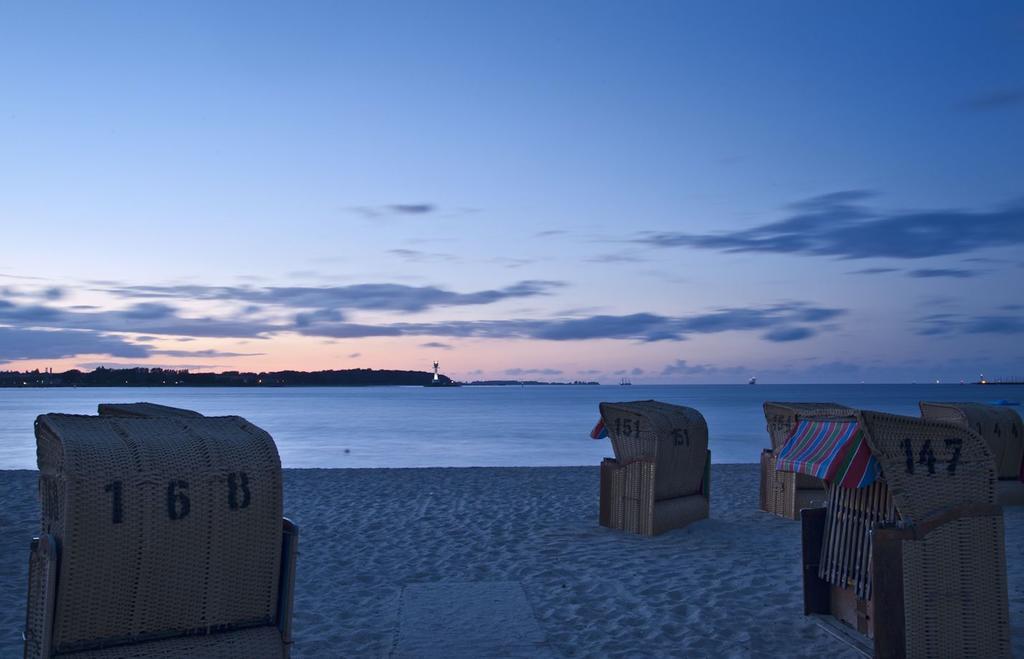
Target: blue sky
x=681, y=192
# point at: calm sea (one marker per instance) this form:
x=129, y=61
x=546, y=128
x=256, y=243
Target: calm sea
x=466, y=426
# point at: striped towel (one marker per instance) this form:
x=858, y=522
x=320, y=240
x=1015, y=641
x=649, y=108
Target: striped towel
x=599, y=431
x=834, y=451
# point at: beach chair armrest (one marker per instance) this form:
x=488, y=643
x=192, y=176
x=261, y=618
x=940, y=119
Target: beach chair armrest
x=44, y=559
x=286, y=589
x=920, y=530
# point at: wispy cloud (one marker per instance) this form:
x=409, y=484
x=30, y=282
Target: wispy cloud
x=783, y=322
x=873, y=271
x=532, y=371
x=392, y=210
x=955, y=324
x=931, y=273
x=842, y=225
x=205, y=353
x=17, y=343
x=366, y=297
x=683, y=367
x=995, y=100
x=419, y=256
x=437, y=345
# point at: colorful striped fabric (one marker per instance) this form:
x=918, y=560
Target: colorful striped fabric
x=834, y=451
x=599, y=431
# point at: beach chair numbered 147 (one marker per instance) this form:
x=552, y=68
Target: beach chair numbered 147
x=162, y=536
x=1002, y=430
x=907, y=559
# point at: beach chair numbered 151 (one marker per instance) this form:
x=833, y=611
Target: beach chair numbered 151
x=162, y=536
x=660, y=477
x=907, y=559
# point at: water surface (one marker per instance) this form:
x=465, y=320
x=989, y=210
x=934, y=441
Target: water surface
x=465, y=426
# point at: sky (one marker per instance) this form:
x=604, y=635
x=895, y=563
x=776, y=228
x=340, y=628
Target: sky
x=665, y=191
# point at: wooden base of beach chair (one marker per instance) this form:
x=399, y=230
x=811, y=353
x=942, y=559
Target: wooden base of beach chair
x=786, y=494
x=677, y=513
x=878, y=626
x=1010, y=492
x=628, y=504
x=264, y=641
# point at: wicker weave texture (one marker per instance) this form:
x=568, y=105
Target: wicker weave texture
x=930, y=466
x=674, y=437
x=143, y=410
x=256, y=643
x=999, y=426
x=166, y=525
x=955, y=593
x=35, y=613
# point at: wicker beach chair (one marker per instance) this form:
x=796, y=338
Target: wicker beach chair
x=1001, y=428
x=660, y=477
x=784, y=493
x=907, y=559
x=162, y=536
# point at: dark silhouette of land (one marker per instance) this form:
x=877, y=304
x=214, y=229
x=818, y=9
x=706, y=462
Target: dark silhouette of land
x=159, y=377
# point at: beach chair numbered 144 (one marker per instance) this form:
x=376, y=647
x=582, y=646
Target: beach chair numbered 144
x=162, y=536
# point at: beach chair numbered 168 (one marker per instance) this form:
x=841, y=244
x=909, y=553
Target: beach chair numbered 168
x=162, y=536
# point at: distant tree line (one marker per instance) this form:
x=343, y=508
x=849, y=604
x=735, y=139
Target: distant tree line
x=161, y=377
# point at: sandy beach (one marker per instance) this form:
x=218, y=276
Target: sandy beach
x=511, y=562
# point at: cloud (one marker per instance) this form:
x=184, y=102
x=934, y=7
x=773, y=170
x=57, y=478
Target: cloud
x=783, y=334
x=366, y=297
x=995, y=100
x=355, y=354
x=532, y=371
x=205, y=353
x=842, y=225
x=943, y=324
x=873, y=271
x=510, y=262
x=638, y=327
x=438, y=345
x=418, y=256
x=16, y=343
x=549, y=233
x=590, y=371
x=386, y=210
x=412, y=209
x=145, y=318
x=637, y=371
x=682, y=367
x=630, y=256
x=930, y=273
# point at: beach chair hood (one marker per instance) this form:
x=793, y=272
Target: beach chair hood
x=166, y=527
x=1000, y=427
x=674, y=437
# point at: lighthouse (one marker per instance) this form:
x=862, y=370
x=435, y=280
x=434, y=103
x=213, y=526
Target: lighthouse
x=436, y=381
